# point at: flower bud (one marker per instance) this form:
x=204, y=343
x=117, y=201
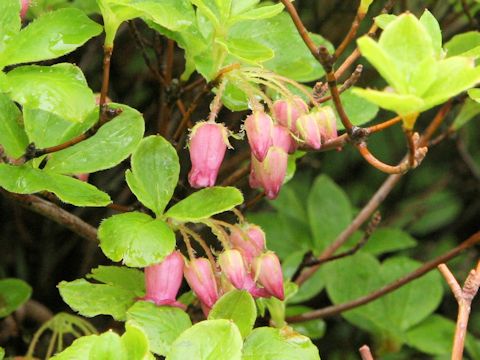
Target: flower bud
x=268, y=273
x=23, y=11
x=249, y=239
x=259, y=128
x=281, y=137
x=271, y=172
x=232, y=265
x=308, y=128
x=200, y=277
x=208, y=143
x=287, y=111
x=163, y=280
x=328, y=123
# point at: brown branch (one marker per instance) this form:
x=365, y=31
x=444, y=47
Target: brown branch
x=55, y=213
x=107, y=55
x=345, y=86
x=464, y=297
x=350, y=35
x=376, y=199
x=236, y=175
x=422, y=270
x=365, y=353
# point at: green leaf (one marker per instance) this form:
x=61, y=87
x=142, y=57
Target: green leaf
x=384, y=19
x=278, y=344
x=329, y=211
x=13, y=294
x=469, y=110
x=46, y=129
x=135, y=342
x=60, y=89
x=359, y=110
x=205, y=203
x=113, y=143
x=97, y=299
x=162, y=324
x=135, y=238
x=433, y=28
x=26, y=180
x=237, y=306
x=309, y=289
x=79, y=350
x=10, y=22
x=154, y=174
x=50, y=36
x=465, y=44
x=12, y=135
x=401, y=104
x=108, y=347
x=385, y=240
x=261, y=12
x=121, y=277
x=280, y=35
x=247, y=50
x=314, y=329
x=208, y=340
x=2, y=353
x=392, y=315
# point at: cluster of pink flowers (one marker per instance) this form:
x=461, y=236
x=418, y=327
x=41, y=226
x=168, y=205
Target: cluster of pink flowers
x=271, y=139
x=247, y=265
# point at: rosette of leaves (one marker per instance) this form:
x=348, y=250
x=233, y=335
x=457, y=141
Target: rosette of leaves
x=420, y=74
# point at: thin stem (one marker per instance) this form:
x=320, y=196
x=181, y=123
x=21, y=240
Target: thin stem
x=186, y=240
x=107, y=54
x=239, y=215
x=422, y=270
x=236, y=175
x=351, y=34
x=217, y=101
x=202, y=243
x=345, y=86
x=372, y=160
x=219, y=232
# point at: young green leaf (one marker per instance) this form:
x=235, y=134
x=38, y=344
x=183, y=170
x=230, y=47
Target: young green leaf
x=135, y=238
x=135, y=342
x=433, y=28
x=162, y=324
x=97, y=299
x=154, y=174
x=10, y=22
x=108, y=347
x=60, y=89
x=79, y=350
x=113, y=143
x=238, y=306
x=249, y=51
x=261, y=12
x=271, y=344
x=26, y=180
x=13, y=294
x=46, y=129
x=205, y=203
x=329, y=211
x=465, y=44
x=469, y=110
x=12, y=136
x=121, y=277
x=50, y=36
x=208, y=340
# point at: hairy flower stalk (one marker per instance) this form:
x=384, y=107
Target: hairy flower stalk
x=200, y=277
x=259, y=128
x=163, y=280
x=208, y=144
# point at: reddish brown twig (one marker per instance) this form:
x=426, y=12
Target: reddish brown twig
x=464, y=297
x=350, y=35
x=107, y=55
x=422, y=270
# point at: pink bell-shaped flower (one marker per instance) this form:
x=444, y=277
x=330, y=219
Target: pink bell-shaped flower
x=163, y=280
x=208, y=143
x=327, y=122
x=249, y=239
x=200, y=277
x=271, y=172
x=268, y=272
x=23, y=11
x=232, y=265
x=308, y=128
x=287, y=111
x=281, y=137
x=259, y=127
